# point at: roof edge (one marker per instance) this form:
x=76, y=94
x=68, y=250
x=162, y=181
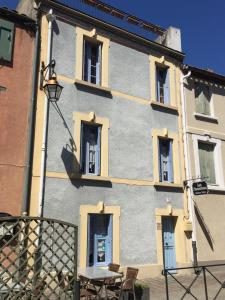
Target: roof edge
x=113, y=28
x=204, y=73
x=17, y=17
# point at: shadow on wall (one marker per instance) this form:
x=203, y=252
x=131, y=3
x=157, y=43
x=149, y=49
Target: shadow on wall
x=94, y=90
x=217, y=88
x=71, y=164
x=204, y=227
x=55, y=28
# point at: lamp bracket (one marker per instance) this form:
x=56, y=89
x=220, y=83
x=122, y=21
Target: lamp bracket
x=50, y=67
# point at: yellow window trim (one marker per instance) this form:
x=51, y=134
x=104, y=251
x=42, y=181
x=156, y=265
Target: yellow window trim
x=179, y=233
x=80, y=34
x=96, y=209
x=154, y=61
x=164, y=133
x=127, y=181
x=92, y=118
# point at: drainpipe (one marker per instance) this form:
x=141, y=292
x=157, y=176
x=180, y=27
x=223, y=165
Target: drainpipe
x=50, y=17
x=191, y=215
x=27, y=176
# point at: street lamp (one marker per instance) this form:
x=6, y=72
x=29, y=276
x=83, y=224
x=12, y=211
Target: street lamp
x=51, y=88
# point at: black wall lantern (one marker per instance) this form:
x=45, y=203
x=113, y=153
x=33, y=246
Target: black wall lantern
x=51, y=88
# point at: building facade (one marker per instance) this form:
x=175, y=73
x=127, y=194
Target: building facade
x=17, y=37
x=204, y=102
x=113, y=158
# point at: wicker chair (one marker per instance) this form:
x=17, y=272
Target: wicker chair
x=127, y=286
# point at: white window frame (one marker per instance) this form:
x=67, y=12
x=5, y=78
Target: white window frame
x=217, y=158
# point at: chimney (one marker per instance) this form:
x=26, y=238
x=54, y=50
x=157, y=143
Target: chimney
x=171, y=39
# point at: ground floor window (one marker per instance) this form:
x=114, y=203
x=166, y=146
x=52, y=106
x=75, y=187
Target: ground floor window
x=99, y=239
x=99, y=234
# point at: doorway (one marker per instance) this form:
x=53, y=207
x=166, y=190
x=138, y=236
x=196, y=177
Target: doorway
x=168, y=239
x=99, y=243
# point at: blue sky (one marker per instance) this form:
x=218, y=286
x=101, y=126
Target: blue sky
x=202, y=23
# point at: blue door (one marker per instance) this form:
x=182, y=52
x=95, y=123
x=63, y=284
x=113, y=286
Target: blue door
x=99, y=240
x=169, y=251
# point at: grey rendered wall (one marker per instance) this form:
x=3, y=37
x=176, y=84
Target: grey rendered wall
x=130, y=147
x=129, y=70
x=63, y=48
x=137, y=204
x=130, y=141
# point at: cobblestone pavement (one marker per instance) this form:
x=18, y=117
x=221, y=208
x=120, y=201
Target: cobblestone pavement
x=177, y=292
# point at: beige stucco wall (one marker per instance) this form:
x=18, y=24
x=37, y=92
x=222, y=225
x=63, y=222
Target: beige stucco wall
x=210, y=209
x=218, y=102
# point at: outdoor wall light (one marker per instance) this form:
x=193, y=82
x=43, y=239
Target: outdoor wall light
x=51, y=88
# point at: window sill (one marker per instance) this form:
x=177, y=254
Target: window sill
x=90, y=177
x=168, y=184
x=163, y=106
x=206, y=117
x=216, y=188
x=92, y=86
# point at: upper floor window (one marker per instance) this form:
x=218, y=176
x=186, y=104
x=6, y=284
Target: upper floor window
x=92, y=58
x=206, y=162
x=6, y=40
x=162, y=85
x=165, y=160
x=90, y=148
x=92, y=62
x=202, y=99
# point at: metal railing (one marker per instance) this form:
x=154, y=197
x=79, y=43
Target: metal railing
x=38, y=258
x=204, y=282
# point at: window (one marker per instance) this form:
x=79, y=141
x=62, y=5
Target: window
x=166, y=157
x=202, y=99
x=206, y=162
x=6, y=39
x=165, y=160
x=90, y=148
x=91, y=141
x=94, y=224
x=162, y=82
x=99, y=239
x=92, y=58
x=92, y=62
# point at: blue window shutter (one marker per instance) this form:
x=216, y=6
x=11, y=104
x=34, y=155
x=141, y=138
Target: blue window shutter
x=98, y=65
x=158, y=84
x=84, y=71
x=160, y=160
x=87, y=63
x=6, y=40
x=82, y=147
x=98, y=152
x=88, y=240
x=170, y=167
x=87, y=152
x=109, y=241
x=167, y=88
